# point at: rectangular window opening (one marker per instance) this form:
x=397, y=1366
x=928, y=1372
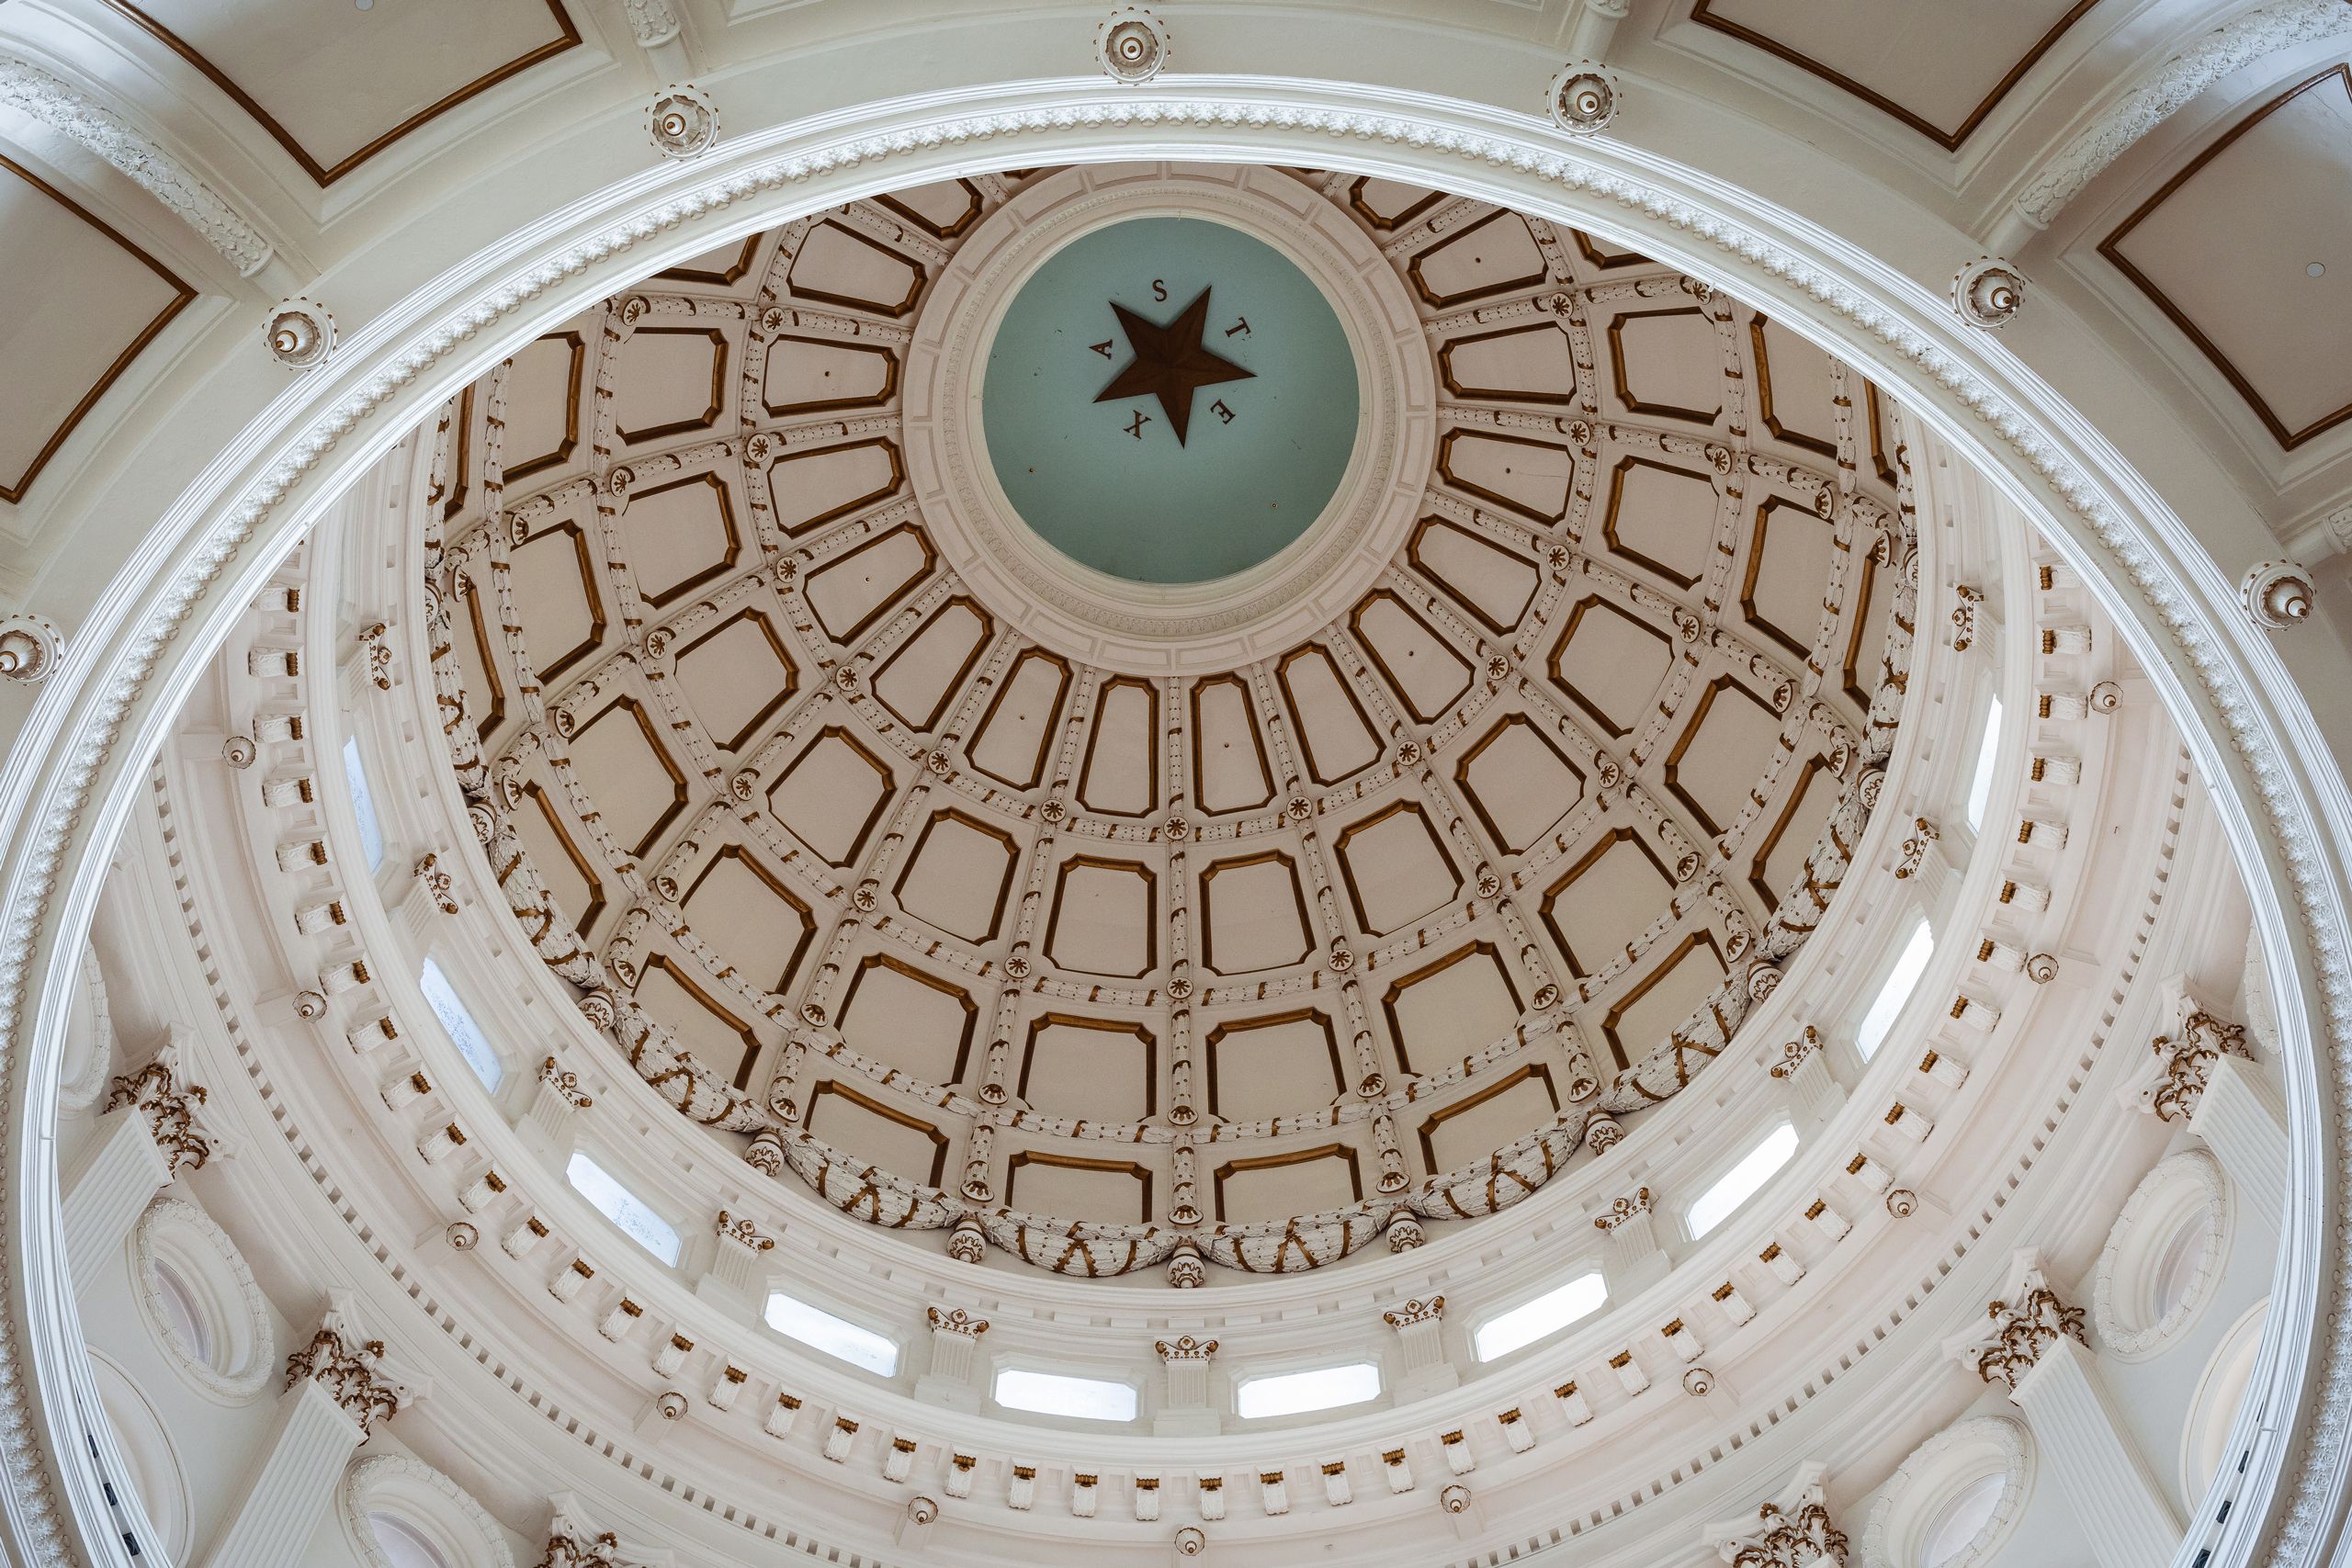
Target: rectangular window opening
x=1980, y=788
x=836, y=1336
x=1051, y=1394
x=623, y=1207
x=459, y=1025
x=1742, y=1181
x=1325, y=1388
x=1546, y=1314
x=363, y=805
x=1901, y=981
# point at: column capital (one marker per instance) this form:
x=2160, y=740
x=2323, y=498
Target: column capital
x=349, y=1368
x=1418, y=1310
x=2186, y=1058
x=1621, y=1210
x=161, y=1092
x=2026, y=1319
x=1793, y=1530
x=1185, y=1348
x=956, y=1321
x=739, y=1228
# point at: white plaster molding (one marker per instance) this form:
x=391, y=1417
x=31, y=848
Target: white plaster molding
x=415, y=1492
x=652, y=22
x=239, y=1312
x=2182, y=1191
x=1932, y=1473
x=74, y=113
x=2233, y=45
x=1166, y=629
x=2144, y=544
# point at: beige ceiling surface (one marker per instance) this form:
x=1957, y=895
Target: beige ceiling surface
x=2269, y=197
x=1109, y=968
x=332, y=83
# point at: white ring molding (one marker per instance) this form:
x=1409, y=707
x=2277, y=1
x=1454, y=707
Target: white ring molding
x=1187, y=629
x=2185, y=1191
x=76, y=766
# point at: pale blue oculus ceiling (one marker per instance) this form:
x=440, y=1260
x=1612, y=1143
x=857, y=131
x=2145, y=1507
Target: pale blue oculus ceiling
x=1261, y=455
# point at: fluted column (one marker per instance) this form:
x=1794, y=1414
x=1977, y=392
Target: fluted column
x=739, y=1267
x=2243, y=1120
x=1184, y=1403
x=948, y=1380
x=1634, y=1259
x=335, y=1394
x=2036, y=1350
x=1421, y=1344
x=118, y=1176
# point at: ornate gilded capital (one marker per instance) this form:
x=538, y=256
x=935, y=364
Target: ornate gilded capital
x=956, y=1321
x=2029, y=1322
x=742, y=1229
x=1418, y=1310
x=1793, y=1536
x=349, y=1368
x=1623, y=1209
x=1185, y=1348
x=158, y=1092
x=2188, y=1060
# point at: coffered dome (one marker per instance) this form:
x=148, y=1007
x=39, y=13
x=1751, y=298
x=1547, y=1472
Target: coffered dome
x=1480, y=838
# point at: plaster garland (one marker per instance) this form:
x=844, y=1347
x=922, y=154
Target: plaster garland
x=2171, y=588
x=74, y=113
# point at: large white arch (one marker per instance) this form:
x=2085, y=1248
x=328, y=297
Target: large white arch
x=136, y=649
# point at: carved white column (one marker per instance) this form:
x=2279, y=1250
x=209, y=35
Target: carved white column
x=2203, y=1072
x=120, y=1174
x=1803, y=1069
x=2036, y=1350
x=1634, y=1259
x=1420, y=1344
x=948, y=1380
x=739, y=1270
x=553, y=1100
x=335, y=1393
x=2242, y=1119
x=1184, y=1409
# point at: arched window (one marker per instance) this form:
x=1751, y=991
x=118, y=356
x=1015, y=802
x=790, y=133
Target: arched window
x=200, y=1300
x=401, y=1513
x=2162, y=1256
x=1954, y=1501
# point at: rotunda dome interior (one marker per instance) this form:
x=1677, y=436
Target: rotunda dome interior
x=1166, y=832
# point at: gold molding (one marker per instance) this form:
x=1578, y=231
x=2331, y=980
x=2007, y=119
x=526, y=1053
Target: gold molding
x=568, y=37
x=183, y=295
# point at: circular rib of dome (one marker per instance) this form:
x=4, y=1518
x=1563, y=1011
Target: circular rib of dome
x=1168, y=400
x=1377, y=929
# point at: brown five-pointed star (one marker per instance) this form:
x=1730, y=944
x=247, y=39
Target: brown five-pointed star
x=1169, y=363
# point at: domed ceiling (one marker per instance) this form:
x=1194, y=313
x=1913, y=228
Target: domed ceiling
x=1235, y=948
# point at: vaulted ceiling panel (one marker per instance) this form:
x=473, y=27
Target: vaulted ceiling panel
x=1444, y=1009
x=833, y=794
x=1938, y=67
x=1272, y=1063
x=855, y=590
x=334, y=89
x=1517, y=783
x=958, y=875
x=102, y=301
x=918, y=1022
x=2273, y=194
